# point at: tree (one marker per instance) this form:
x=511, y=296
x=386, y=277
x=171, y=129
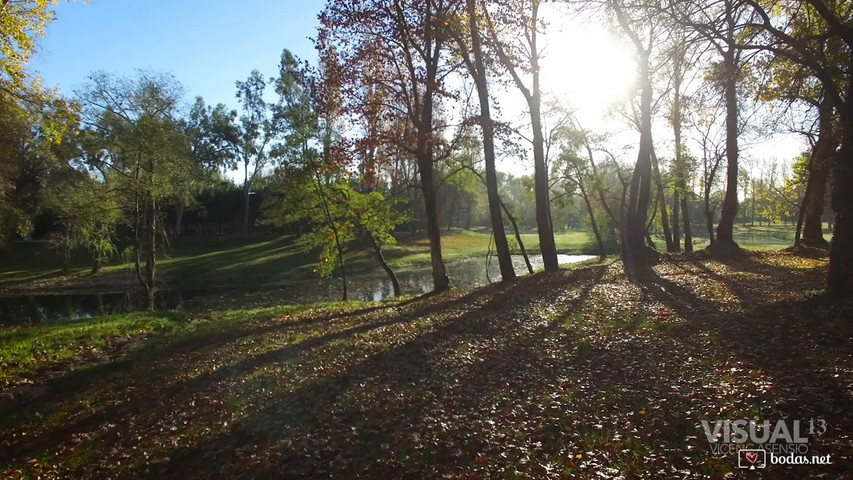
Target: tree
x=313, y=186
x=373, y=214
x=208, y=153
x=683, y=57
x=825, y=24
x=251, y=137
x=302, y=194
x=137, y=123
x=575, y=173
x=519, y=53
x=477, y=68
x=21, y=24
x=795, y=87
x=728, y=77
x=708, y=134
x=720, y=24
x=409, y=43
x=86, y=212
x=31, y=134
x=23, y=170
x=635, y=254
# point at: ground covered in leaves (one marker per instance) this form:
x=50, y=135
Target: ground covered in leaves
x=575, y=374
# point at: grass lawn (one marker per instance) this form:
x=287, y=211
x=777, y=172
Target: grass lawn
x=749, y=237
x=225, y=261
x=573, y=374
x=210, y=261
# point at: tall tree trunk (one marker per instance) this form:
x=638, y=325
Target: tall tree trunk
x=395, y=282
x=801, y=214
x=138, y=226
x=426, y=138
x=343, y=265
x=688, y=233
x=180, y=208
x=66, y=252
x=479, y=73
x=514, y=225
x=651, y=221
x=517, y=237
x=634, y=233
x=151, y=250
x=601, y=252
x=614, y=220
x=246, y=198
x=452, y=210
x=839, y=280
x=533, y=96
x=708, y=179
x=725, y=229
x=820, y=163
x=752, y=213
x=709, y=222
x=247, y=190
x=98, y=261
x=664, y=215
x=679, y=168
x=676, y=227
x=547, y=246
x=440, y=279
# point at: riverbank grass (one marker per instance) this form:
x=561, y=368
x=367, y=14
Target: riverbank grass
x=28, y=351
x=222, y=261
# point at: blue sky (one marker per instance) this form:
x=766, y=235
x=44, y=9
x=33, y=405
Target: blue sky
x=208, y=45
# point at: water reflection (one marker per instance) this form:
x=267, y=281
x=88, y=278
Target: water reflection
x=373, y=286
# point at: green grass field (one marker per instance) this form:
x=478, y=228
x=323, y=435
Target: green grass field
x=210, y=261
x=750, y=237
x=257, y=260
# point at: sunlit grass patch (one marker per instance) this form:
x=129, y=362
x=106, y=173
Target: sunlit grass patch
x=26, y=349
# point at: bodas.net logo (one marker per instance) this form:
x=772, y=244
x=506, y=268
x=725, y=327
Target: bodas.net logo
x=759, y=442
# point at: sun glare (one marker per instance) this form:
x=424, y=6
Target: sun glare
x=587, y=69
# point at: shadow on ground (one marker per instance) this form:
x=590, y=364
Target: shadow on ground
x=574, y=374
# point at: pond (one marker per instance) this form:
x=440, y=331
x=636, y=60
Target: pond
x=23, y=309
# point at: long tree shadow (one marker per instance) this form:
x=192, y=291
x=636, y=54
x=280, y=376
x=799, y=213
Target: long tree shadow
x=344, y=426
x=410, y=368
x=563, y=374
x=794, y=342
x=151, y=354
x=159, y=364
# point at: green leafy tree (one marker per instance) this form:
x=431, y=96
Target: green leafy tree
x=377, y=218
x=28, y=145
x=208, y=153
x=251, y=137
x=86, y=212
x=22, y=23
x=137, y=123
x=312, y=186
x=410, y=42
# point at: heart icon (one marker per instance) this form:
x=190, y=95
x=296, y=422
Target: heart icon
x=751, y=457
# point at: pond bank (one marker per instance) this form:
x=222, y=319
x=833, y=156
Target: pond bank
x=37, y=307
x=29, y=267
